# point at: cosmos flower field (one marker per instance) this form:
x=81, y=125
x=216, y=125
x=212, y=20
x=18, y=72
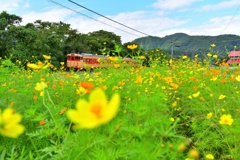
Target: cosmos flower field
x=182, y=110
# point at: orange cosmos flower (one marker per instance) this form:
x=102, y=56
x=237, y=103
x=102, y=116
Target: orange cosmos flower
x=41, y=123
x=116, y=65
x=61, y=83
x=63, y=110
x=87, y=86
x=121, y=83
x=223, y=80
x=34, y=98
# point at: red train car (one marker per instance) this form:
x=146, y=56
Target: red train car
x=86, y=60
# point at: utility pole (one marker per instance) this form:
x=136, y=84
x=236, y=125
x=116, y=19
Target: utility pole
x=171, y=65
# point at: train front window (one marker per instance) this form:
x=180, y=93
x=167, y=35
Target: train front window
x=77, y=58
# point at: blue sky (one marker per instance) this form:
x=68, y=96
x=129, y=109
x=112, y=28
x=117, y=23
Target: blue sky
x=153, y=17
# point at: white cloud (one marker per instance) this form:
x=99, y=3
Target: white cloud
x=9, y=5
x=173, y=4
x=53, y=15
x=216, y=26
x=139, y=21
x=26, y=5
x=221, y=5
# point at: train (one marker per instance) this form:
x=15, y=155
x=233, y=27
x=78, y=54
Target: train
x=84, y=61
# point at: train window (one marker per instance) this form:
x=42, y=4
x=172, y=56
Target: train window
x=77, y=58
x=81, y=58
x=72, y=58
x=86, y=60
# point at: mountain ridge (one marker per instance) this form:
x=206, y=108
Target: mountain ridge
x=181, y=43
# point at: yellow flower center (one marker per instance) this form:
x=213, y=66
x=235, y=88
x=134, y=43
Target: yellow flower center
x=226, y=121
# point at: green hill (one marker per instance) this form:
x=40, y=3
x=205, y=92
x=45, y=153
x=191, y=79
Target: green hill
x=181, y=43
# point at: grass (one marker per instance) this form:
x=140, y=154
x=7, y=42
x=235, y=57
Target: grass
x=160, y=116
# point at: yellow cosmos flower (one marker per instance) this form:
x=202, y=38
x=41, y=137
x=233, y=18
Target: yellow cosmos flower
x=214, y=78
x=209, y=156
x=174, y=104
x=96, y=112
x=132, y=46
x=238, y=78
x=209, y=55
x=196, y=56
x=209, y=115
x=47, y=57
x=226, y=119
x=40, y=86
x=114, y=59
x=215, y=56
x=221, y=97
x=81, y=91
x=213, y=45
x=38, y=66
x=196, y=94
x=9, y=123
x=194, y=153
x=33, y=66
x=141, y=57
x=184, y=57
x=139, y=79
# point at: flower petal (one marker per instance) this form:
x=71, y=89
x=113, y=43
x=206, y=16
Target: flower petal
x=111, y=109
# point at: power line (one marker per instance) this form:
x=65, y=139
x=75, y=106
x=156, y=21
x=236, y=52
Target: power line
x=107, y=18
x=92, y=18
x=231, y=19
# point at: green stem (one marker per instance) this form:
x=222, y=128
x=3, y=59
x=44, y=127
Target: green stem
x=49, y=109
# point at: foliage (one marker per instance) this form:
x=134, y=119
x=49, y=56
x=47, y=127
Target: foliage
x=27, y=43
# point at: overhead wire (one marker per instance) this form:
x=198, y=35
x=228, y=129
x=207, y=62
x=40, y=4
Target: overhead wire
x=108, y=18
x=231, y=19
x=93, y=18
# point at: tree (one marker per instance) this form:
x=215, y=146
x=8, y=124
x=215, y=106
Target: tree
x=103, y=39
x=7, y=21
